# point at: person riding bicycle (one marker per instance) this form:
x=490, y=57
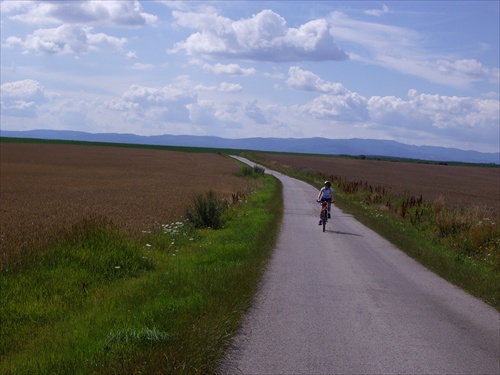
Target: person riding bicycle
x=326, y=195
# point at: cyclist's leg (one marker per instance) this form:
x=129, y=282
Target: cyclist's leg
x=321, y=213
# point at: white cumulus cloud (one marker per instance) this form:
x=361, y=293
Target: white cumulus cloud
x=450, y=116
x=305, y=80
x=263, y=37
x=109, y=13
x=157, y=104
x=65, y=39
x=22, y=98
x=347, y=108
x=222, y=87
x=224, y=69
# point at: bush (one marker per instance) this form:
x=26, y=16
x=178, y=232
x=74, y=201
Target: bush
x=207, y=211
x=256, y=171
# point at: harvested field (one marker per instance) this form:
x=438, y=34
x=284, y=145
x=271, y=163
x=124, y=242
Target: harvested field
x=46, y=188
x=460, y=186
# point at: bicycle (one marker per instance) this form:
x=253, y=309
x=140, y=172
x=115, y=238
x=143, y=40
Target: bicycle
x=324, y=214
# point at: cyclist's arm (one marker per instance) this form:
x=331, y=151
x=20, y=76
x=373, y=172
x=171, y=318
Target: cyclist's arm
x=319, y=195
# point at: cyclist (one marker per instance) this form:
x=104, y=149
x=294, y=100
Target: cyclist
x=326, y=195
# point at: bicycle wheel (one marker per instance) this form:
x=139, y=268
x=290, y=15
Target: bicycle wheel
x=324, y=219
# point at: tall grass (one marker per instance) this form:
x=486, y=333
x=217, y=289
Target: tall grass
x=101, y=302
x=461, y=244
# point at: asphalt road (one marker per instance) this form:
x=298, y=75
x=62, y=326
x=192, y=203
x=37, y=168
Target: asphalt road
x=348, y=302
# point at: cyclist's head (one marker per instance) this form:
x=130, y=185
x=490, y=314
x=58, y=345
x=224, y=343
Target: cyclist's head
x=327, y=183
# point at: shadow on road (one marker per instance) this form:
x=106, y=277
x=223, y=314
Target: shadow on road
x=344, y=233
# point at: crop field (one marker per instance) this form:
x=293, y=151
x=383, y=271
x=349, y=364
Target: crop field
x=46, y=188
x=466, y=186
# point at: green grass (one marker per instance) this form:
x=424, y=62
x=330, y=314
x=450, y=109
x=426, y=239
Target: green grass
x=101, y=302
x=460, y=245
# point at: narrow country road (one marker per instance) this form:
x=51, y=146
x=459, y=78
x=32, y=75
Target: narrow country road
x=348, y=302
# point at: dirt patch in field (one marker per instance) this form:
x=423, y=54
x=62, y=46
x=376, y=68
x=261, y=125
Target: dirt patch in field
x=459, y=185
x=46, y=187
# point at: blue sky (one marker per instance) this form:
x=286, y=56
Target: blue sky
x=418, y=72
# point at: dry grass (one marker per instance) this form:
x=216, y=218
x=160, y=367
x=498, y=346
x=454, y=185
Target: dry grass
x=47, y=188
x=459, y=186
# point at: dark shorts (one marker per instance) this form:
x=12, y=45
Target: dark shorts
x=326, y=199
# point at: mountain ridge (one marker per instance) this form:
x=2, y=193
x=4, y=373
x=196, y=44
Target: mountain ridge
x=317, y=145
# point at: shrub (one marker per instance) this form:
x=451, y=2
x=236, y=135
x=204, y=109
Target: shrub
x=256, y=171
x=207, y=211
x=246, y=171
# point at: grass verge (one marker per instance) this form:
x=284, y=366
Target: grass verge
x=458, y=245
x=99, y=302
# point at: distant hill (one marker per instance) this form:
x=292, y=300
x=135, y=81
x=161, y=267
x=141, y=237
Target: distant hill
x=355, y=147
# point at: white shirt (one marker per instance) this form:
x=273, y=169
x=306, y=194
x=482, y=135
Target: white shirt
x=326, y=193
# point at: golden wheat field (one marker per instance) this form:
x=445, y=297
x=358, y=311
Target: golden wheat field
x=466, y=186
x=47, y=187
